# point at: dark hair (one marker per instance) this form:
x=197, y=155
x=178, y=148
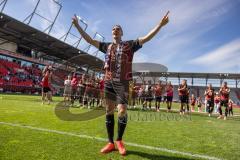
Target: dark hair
x=117, y=25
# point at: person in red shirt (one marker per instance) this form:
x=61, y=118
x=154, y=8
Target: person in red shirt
x=45, y=87
x=209, y=96
x=224, y=97
x=49, y=69
x=169, y=93
x=217, y=102
x=182, y=92
x=158, y=95
x=118, y=73
x=74, y=85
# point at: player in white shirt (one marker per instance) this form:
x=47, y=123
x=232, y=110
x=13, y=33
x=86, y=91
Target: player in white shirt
x=67, y=89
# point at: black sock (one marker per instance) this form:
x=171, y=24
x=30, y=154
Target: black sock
x=110, y=127
x=122, y=122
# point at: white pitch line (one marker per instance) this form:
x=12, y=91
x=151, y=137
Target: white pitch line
x=104, y=140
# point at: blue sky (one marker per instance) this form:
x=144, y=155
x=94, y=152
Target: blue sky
x=202, y=36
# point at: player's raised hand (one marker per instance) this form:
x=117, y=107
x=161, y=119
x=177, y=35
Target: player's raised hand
x=165, y=19
x=75, y=20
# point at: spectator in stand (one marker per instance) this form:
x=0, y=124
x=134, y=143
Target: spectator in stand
x=67, y=89
x=169, y=93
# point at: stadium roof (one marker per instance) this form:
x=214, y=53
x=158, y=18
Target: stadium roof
x=235, y=76
x=149, y=67
x=24, y=35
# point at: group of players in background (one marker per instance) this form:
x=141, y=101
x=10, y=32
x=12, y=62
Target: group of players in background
x=86, y=90
x=214, y=101
x=89, y=91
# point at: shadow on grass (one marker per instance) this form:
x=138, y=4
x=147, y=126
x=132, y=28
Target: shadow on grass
x=155, y=156
x=64, y=113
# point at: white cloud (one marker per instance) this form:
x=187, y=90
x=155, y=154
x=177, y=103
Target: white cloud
x=224, y=58
x=189, y=21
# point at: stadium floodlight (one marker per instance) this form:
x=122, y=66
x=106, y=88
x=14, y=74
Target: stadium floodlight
x=82, y=20
x=57, y=1
x=99, y=35
x=101, y=39
x=3, y=4
x=35, y=12
x=65, y=36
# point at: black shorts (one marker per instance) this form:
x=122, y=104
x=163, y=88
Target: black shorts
x=74, y=91
x=187, y=99
x=158, y=99
x=117, y=91
x=210, y=103
x=164, y=98
x=149, y=98
x=89, y=93
x=81, y=91
x=169, y=98
x=183, y=99
x=224, y=103
x=46, y=89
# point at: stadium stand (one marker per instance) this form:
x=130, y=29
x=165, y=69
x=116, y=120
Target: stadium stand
x=19, y=78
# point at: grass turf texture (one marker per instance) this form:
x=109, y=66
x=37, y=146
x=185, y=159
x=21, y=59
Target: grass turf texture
x=196, y=134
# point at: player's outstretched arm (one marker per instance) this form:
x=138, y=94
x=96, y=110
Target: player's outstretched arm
x=83, y=33
x=154, y=31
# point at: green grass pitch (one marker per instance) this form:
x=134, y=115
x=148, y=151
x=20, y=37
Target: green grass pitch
x=54, y=138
